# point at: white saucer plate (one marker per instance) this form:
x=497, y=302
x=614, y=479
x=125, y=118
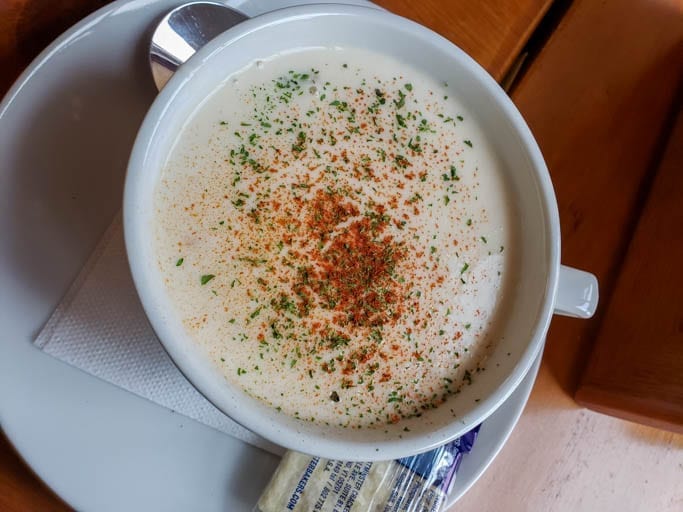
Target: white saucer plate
x=66, y=129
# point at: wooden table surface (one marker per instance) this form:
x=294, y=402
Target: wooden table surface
x=598, y=90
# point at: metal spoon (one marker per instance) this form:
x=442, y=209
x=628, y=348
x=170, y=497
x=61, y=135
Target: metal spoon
x=183, y=31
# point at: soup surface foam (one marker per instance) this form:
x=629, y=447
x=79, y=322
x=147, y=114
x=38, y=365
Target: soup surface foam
x=333, y=229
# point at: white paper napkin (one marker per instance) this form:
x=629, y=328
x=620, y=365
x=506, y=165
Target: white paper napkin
x=100, y=327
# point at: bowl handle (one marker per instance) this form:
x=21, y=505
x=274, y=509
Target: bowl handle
x=577, y=293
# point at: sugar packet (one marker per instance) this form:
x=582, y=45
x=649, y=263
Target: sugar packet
x=420, y=483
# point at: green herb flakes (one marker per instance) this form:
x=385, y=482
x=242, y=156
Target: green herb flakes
x=206, y=278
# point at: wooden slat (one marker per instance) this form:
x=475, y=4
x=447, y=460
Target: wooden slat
x=596, y=97
x=636, y=369
x=493, y=31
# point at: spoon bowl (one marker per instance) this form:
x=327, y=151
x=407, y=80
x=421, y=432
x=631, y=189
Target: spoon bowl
x=183, y=31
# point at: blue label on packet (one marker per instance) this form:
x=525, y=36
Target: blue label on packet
x=439, y=465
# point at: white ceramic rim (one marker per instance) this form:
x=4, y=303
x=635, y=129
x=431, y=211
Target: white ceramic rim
x=288, y=435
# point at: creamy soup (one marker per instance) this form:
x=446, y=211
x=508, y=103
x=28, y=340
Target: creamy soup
x=334, y=231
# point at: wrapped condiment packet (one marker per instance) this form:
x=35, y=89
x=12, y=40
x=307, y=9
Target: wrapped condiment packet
x=414, y=484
